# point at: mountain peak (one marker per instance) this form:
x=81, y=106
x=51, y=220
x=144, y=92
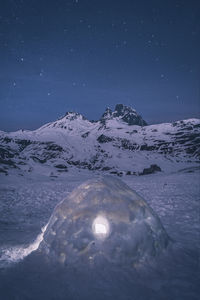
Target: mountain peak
x=121, y=109
x=73, y=116
x=107, y=114
x=125, y=113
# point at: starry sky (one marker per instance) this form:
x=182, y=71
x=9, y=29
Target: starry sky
x=85, y=55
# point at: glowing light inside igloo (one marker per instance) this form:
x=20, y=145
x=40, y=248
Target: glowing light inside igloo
x=101, y=227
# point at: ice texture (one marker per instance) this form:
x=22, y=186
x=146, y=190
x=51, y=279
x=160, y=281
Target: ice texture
x=130, y=231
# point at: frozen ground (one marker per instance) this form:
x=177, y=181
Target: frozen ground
x=26, y=205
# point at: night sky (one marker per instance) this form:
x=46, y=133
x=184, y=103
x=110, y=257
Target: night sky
x=85, y=55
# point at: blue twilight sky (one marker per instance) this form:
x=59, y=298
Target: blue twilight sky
x=85, y=55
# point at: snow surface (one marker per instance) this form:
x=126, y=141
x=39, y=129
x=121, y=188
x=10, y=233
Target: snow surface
x=26, y=203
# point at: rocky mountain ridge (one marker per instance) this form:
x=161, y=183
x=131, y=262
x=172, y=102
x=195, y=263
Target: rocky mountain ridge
x=123, y=113
x=119, y=143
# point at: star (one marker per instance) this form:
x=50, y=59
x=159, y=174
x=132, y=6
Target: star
x=41, y=73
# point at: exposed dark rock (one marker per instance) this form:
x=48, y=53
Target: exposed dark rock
x=152, y=169
x=147, y=148
x=53, y=147
x=126, y=144
x=120, y=174
x=21, y=163
x=125, y=113
x=189, y=128
x=3, y=171
x=106, y=115
x=60, y=166
x=106, y=169
x=23, y=143
x=84, y=135
x=8, y=162
x=104, y=139
x=128, y=173
x=5, y=153
x=37, y=159
x=191, y=150
x=7, y=140
x=128, y=115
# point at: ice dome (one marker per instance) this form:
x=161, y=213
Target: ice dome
x=103, y=219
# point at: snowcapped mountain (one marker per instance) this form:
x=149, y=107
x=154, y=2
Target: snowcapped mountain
x=121, y=142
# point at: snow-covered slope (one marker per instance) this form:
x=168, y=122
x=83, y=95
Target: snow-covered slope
x=120, y=142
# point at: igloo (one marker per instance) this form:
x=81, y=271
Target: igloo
x=103, y=219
